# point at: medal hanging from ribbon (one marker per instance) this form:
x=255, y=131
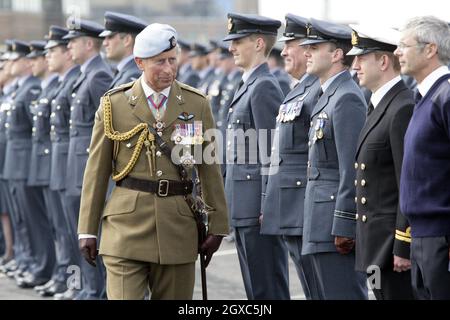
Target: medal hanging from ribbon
x=159, y=125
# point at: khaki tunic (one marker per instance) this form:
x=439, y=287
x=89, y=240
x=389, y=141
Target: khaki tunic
x=139, y=225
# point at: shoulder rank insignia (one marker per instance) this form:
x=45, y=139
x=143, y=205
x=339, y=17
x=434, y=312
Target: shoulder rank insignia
x=185, y=116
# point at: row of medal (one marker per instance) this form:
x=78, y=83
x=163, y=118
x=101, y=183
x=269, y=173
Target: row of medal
x=320, y=124
x=288, y=112
x=188, y=133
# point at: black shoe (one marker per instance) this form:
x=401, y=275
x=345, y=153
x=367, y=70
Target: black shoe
x=56, y=288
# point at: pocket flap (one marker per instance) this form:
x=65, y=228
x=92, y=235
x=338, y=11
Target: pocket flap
x=325, y=193
x=241, y=117
x=246, y=172
x=121, y=203
x=292, y=180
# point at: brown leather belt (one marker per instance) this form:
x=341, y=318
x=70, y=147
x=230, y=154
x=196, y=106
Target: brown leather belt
x=162, y=188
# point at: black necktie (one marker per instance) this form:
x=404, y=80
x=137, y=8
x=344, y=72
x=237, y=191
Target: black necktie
x=241, y=83
x=417, y=96
x=370, y=108
x=320, y=93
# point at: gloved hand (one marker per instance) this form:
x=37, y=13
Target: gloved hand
x=88, y=248
x=344, y=245
x=209, y=246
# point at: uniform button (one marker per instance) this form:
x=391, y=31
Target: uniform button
x=229, y=143
x=87, y=150
x=363, y=166
x=273, y=148
x=33, y=129
x=53, y=101
x=364, y=218
x=363, y=200
x=237, y=121
x=277, y=128
x=160, y=133
x=229, y=126
x=72, y=108
x=70, y=121
x=356, y=183
x=13, y=107
x=58, y=107
x=159, y=173
x=309, y=143
x=40, y=114
x=158, y=153
x=356, y=199
x=8, y=113
x=70, y=126
x=34, y=118
x=356, y=216
x=52, y=128
x=363, y=182
x=230, y=110
x=52, y=115
x=248, y=177
x=46, y=151
x=356, y=165
x=6, y=125
x=128, y=145
x=74, y=95
x=311, y=124
x=332, y=197
x=299, y=183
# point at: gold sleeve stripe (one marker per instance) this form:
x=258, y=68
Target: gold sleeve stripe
x=402, y=238
x=403, y=234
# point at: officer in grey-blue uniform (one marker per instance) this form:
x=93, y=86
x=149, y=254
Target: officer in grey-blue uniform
x=28, y=201
x=199, y=62
x=336, y=120
x=284, y=200
x=58, y=123
x=263, y=258
x=277, y=70
x=39, y=170
x=186, y=74
x=122, y=25
x=93, y=81
x=9, y=86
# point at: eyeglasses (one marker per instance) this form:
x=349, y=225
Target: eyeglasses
x=402, y=46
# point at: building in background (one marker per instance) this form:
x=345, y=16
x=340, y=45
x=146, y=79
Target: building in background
x=198, y=20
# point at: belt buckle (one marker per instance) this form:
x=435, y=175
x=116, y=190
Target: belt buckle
x=163, y=184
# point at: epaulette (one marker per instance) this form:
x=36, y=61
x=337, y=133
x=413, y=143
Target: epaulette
x=191, y=89
x=122, y=87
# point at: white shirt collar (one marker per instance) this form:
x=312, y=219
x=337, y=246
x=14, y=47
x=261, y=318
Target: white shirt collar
x=85, y=65
x=124, y=62
x=428, y=82
x=149, y=91
x=381, y=92
x=327, y=83
x=248, y=73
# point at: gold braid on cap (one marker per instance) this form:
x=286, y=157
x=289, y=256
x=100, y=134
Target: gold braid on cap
x=117, y=136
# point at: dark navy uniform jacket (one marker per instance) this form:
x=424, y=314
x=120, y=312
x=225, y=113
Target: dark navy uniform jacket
x=129, y=72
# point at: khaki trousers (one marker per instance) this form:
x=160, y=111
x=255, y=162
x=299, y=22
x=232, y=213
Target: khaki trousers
x=129, y=279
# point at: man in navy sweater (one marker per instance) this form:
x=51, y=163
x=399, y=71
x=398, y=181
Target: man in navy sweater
x=424, y=53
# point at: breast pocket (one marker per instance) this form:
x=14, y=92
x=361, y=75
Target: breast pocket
x=60, y=115
x=43, y=162
x=323, y=213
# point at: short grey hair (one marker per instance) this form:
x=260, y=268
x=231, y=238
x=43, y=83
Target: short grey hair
x=429, y=29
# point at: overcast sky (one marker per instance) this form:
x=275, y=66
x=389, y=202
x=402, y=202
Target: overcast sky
x=389, y=12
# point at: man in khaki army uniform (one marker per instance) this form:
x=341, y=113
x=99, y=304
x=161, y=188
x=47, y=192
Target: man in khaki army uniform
x=149, y=235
